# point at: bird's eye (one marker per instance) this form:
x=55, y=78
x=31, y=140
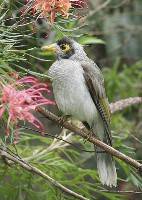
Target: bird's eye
x=65, y=47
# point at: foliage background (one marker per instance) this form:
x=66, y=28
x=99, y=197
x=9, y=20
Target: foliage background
x=20, y=42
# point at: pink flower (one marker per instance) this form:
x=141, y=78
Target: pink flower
x=20, y=103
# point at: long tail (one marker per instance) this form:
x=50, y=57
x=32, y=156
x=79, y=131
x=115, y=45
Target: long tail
x=106, y=169
x=105, y=162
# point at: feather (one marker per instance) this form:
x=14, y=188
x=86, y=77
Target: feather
x=105, y=162
x=95, y=84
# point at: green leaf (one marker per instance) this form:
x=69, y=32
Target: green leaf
x=90, y=40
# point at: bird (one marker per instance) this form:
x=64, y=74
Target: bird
x=79, y=92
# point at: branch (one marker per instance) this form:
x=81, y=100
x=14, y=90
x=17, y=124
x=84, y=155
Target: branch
x=38, y=172
x=121, y=191
x=100, y=7
x=84, y=133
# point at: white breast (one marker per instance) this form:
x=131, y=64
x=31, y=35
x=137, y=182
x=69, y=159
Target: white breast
x=70, y=91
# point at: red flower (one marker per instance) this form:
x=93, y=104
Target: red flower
x=49, y=8
x=20, y=103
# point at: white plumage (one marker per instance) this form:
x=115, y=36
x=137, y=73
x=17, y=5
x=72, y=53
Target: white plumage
x=70, y=91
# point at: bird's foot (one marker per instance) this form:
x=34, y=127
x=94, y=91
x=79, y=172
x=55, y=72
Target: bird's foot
x=63, y=119
x=90, y=134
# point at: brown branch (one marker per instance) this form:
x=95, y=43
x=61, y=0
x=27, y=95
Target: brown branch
x=84, y=133
x=38, y=172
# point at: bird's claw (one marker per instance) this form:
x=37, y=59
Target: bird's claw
x=91, y=134
x=62, y=120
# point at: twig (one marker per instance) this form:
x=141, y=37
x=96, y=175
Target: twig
x=102, y=6
x=135, y=138
x=58, y=138
x=38, y=172
x=84, y=133
x=121, y=191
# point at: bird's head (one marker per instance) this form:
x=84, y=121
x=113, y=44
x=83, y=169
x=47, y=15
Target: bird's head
x=66, y=48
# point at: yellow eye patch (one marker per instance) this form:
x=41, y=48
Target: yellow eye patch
x=65, y=47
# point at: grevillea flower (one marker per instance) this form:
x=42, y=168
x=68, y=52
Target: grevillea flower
x=19, y=104
x=50, y=8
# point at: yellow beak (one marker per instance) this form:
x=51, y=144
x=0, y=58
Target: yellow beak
x=49, y=48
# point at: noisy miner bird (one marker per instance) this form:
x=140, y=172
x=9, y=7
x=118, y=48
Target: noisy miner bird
x=79, y=92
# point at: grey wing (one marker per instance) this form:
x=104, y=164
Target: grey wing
x=95, y=83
